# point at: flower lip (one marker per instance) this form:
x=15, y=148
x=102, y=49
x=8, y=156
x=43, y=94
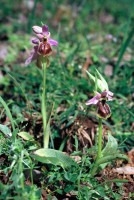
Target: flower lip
x=44, y=49
x=103, y=110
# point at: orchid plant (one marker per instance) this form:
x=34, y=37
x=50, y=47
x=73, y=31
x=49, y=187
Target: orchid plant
x=40, y=53
x=102, y=94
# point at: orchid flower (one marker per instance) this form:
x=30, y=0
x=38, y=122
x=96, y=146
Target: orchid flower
x=43, y=45
x=102, y=94
x=103, y=109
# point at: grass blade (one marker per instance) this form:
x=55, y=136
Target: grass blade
x=8, y=113
x=123, y=49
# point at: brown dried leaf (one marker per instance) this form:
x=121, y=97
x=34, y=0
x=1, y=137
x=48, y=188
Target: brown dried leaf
x=124, y=170
x=76, y=158
x=86, y=136
x=131, y=157
x=87, y=63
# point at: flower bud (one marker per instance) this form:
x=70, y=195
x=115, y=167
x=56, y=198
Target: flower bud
x=99, y=82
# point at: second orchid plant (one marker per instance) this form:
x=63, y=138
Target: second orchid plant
x=102, y=94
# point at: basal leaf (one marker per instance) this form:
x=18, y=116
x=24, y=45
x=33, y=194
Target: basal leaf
x=54, y=157
x=25, y=136
x=4, y=129
x=111, y=146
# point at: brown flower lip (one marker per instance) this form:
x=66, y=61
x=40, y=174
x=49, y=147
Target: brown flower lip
x=103, y=110
x=45, y=49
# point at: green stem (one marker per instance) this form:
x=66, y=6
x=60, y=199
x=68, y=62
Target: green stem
x=95, y=166
x=21, y=170
x=99, y=140
x=31, y=175
x=43, y=108
x=100, y=159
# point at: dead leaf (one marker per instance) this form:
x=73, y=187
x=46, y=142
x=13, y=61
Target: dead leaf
x=124, y=170
x=131, y=158
x=76, y=158
x=87, y=63
x=85, y=135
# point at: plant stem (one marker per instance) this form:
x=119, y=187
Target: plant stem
x=99, y=140
x=95, y=166
x=43, y=107
x=79, y=177
x=20, y=171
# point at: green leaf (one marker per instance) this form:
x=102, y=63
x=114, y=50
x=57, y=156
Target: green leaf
x=26, y=136
x=8, y=112
x=63, y=143
x=71, y=176
x=110, y=158
x=4, y=129
x=48, y=129
x=111, y=146
x=52, y=156
x=124, y=46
